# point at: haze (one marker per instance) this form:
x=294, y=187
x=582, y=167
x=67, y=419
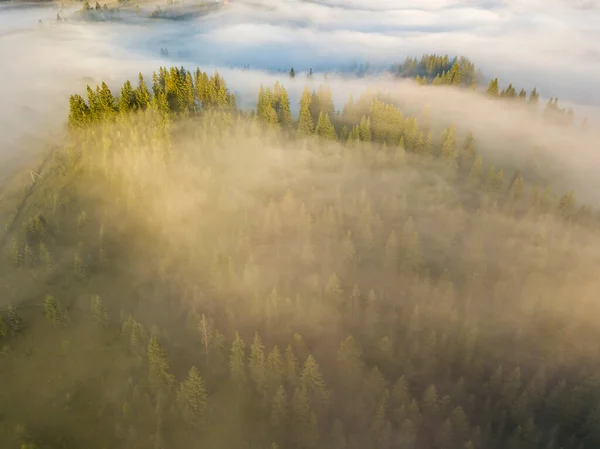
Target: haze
x=361, y=258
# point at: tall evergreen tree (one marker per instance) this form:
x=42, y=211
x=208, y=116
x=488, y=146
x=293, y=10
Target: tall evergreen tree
x=325, y=128
x=159, y=374
x=192, y=398
x=127, y=100
x=55, y=312
x=256, y=365
x=142, y=94
x=312, y=381
x=493, y=90
x=306, y=125
x=237, y=369
x=285, y=114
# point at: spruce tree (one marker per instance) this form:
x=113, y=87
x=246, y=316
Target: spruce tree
x=325, y=128
x=15, y=321
x=365, y=129
x=492, y=89
x=237, y=370
x=192, y=398
x=291, y=367
x=256, y=365
x=305, y=429
x=279, y=410
x=275, y=369
x=99, y=312
x=448, y=149
x=333, y=289
x=534, y=97
x=158, y=366
x=285, y=114
x=106, y=103
x=306, y=125
x=350, y=364
x=312, y=381
x=55, y=313
x=4, y=330
x=79, y=112
x=127, y=100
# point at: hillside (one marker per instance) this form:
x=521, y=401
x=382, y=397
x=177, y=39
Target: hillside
x=184, y=273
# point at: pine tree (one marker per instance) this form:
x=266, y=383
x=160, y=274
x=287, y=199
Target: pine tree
x=291, y=367
x=407, y=435
x=325, y=128
x=460, y=424
x=430, y=404
x=381, y=428
x=292, y=73
x=349, y=250
x=400, y=400
x=15, y=321
x=192, y=398
x=455, y=75
x=534, y=97
x=212, y=339
x=285, y=114
x=448, y=149
x=55, y=312
x=237, y=370
x=106, y=103
x=477, y=168
x=4, y=330
x=312, y=381
x=279, y=409
x=350, y=364
x=510, y=92
x=306, y=125
x=305, y=429
x=256, y=365
x=137, y=338
x=275, y=369
x=127, y=100
x=142, y=94
x=158, y=366
x=492, y=89
x=99, y=312
x=365, y=129
x=79, y=112
x=333, y=289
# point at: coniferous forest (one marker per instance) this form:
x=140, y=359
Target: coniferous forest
x=184, y=273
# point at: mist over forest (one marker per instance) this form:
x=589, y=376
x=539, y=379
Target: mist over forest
x=293, y=224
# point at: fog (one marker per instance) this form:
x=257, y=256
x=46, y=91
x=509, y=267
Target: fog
x=550, y=45
x=151, y=242
x=521, y=42
x=46, y=63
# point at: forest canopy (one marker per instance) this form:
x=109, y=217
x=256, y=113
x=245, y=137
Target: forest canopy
x=186, y=273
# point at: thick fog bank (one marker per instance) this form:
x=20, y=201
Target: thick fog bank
x=44, y=63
